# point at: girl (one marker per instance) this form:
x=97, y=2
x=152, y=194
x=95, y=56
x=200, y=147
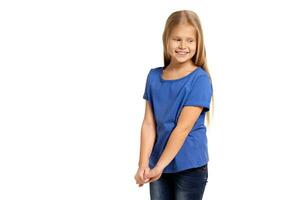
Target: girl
x=173, y=151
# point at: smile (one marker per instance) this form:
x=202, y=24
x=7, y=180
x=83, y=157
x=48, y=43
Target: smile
x=181, y=52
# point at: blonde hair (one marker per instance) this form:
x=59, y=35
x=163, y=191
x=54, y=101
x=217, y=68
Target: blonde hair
x=191, y=18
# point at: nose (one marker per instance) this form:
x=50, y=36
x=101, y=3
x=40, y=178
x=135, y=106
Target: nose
x=181, y=44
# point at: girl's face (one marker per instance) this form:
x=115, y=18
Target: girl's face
x=182, y=43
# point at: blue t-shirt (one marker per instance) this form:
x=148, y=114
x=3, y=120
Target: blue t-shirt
x=167, y=98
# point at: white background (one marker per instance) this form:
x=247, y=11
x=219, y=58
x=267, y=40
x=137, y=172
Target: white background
x=72, y=77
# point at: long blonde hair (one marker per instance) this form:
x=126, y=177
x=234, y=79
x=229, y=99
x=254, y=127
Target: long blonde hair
x=199, y=59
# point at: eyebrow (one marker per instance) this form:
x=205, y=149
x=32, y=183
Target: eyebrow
x=186, y=38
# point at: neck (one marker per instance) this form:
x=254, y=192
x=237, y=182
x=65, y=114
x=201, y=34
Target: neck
x=181, y=66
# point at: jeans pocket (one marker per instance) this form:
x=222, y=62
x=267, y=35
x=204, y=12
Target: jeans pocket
x=201, y=169
x=196, y=171
x=192, y=178
x=199, y=173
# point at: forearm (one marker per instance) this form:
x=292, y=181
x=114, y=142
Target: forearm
x=174, y=144
x=148, y=134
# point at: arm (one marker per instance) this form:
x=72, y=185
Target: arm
x=186, y=122
x=148, y=134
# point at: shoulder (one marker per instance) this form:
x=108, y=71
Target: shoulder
x=152, y=74
x=201, y=79
x=201, y=74
x=154, y=70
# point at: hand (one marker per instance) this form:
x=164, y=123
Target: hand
x=154, y=174
x=140, y=175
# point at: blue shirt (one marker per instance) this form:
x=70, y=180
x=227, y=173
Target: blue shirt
x=167, y=98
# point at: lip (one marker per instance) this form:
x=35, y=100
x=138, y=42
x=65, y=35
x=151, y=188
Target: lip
x=181, y=52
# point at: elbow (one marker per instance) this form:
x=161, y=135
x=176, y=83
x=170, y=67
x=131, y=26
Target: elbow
x=148, y=123
x=185, y=128
x=148, y=127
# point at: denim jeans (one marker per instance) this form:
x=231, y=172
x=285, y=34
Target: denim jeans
x=184, y=185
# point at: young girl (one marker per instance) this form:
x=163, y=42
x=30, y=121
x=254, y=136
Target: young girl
x=173, y=151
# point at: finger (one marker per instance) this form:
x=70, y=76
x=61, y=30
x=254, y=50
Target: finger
x=150, y=179
x=150, y=174
x=154, y=178
x=147, y=181
x=136, y=178
x=141, y=175
x=139, y=180
x=146, y=173
x=146, y=177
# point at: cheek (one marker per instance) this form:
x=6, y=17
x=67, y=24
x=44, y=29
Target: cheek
x=171, y=49
x=172, y=46
x=193, y=48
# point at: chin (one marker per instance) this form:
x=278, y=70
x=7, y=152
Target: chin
x=182, y=60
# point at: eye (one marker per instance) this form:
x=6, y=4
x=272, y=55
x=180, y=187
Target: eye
x=190, y=41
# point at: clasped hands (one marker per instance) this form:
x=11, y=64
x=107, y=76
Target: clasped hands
x=147, y=175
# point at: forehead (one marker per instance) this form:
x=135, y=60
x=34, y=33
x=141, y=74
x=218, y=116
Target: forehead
x=183, y=31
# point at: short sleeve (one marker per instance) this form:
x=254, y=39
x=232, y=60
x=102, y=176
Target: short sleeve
x=200, y=93
x=147, y=87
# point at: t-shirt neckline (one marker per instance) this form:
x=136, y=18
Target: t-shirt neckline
x=178, y=79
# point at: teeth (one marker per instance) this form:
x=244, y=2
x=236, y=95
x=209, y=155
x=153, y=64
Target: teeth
x=182, y=52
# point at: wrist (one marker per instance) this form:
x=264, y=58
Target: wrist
x=143, y=164
x=160, y=166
